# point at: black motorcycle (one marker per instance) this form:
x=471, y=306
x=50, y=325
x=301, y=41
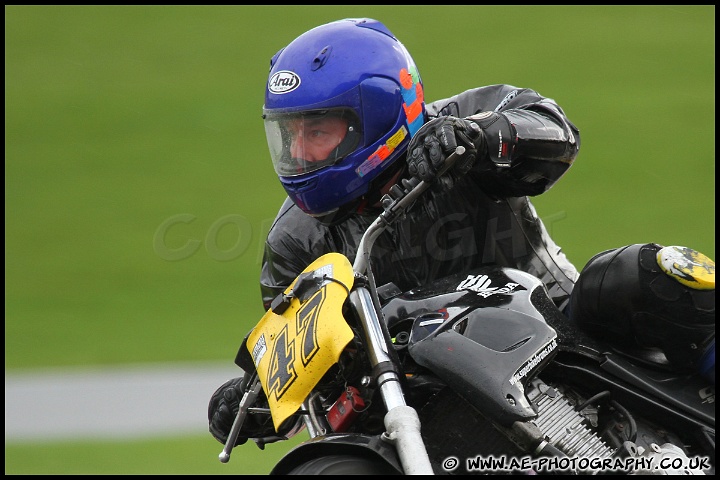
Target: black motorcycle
x=477, y=373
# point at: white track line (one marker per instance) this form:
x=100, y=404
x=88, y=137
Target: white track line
x=111, y=402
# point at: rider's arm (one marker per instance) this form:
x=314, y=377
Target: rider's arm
x=294, y=241
x=530, y=143
x=275, y=276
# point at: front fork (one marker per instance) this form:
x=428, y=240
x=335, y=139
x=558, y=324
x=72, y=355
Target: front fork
x=401, y=421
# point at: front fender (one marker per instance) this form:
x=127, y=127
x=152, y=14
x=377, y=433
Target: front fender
x=338, y=443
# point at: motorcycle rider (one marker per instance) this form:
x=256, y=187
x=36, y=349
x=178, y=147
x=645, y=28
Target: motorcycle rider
x=346, y=118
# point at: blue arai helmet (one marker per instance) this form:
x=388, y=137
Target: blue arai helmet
x=353, y=73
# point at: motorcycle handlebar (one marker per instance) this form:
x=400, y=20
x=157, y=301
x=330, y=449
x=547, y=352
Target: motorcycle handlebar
x=394, y=205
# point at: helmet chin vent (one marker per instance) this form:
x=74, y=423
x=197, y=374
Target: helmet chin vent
x=299, y=185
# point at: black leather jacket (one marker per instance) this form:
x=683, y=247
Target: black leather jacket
x=485, y=219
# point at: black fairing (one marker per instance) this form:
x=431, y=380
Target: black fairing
x=484, y=333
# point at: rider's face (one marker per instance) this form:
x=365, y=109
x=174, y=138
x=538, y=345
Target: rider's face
x=314, y=139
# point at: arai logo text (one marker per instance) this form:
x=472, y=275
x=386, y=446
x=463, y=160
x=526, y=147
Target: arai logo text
x=283, y=81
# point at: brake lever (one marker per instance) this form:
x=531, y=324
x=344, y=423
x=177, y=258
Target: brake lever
x=248, y=399
x=450, y=160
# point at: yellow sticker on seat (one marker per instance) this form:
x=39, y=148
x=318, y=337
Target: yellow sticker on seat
x=687, y=266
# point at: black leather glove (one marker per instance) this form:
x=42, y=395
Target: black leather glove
x=223, y=408
x=437, y=139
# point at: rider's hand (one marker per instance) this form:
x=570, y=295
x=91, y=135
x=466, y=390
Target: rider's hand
x=223, y=408
x=437, y=139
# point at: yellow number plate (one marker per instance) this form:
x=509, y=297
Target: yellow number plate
x=294, y=350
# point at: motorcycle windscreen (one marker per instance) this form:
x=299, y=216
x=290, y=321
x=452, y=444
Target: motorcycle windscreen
x=293, y=351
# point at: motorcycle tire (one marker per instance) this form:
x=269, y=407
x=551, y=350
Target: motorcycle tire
x=343, y=465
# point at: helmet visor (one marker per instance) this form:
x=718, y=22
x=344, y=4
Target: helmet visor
x=304, y=142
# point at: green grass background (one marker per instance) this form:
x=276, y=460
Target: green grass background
x=122, y=119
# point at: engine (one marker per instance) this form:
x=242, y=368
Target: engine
x=576, y=427
x=564, y=427
x=599, y=428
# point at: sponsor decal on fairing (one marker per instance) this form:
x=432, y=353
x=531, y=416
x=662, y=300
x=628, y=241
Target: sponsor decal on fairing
x=480, y=284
